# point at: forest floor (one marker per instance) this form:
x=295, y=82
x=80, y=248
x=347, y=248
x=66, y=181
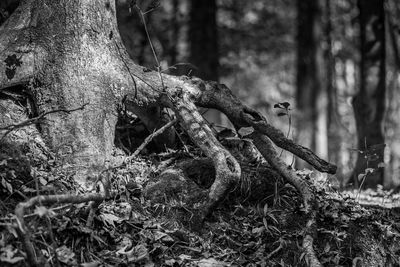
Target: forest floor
x=132, y=230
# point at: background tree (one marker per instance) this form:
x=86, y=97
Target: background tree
x=392, y=154
x=369, y=103
x=311, y=97
x=334, y=135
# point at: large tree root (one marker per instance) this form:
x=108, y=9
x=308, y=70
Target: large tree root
x=226, y=167
x=220, y=97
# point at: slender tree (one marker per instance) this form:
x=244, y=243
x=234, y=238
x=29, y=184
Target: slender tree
x=334, y=135
x=311, y=78
x=369, y=103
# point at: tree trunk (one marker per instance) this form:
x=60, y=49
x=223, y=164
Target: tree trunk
x=68, y=55
x=369, y=103
x=311, y=87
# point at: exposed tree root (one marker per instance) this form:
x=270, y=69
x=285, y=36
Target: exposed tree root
x=220, y=97
x=227, y=169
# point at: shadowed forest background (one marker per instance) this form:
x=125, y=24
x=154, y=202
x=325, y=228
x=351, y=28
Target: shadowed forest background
x=105, y=159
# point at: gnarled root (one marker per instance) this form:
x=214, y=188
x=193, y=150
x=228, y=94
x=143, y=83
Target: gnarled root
x=218, y=96
x=227, y=169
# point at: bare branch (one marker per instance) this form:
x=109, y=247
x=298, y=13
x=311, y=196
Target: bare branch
x=151, y=137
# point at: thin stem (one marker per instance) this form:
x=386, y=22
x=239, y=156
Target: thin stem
x=151, y=44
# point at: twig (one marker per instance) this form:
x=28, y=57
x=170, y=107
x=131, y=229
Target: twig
x=149, y=138
x=12, y=127
x=127, y=67
x=151, y=44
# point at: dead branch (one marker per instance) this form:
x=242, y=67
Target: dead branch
x=22, y=229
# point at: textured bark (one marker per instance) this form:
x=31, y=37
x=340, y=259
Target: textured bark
x=369, y=103
x=311, y=86
x=64, y=64
x=67, y=54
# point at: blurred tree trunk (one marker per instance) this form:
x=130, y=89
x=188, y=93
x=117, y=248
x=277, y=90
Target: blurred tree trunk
x=369, y=103
x=392, y=13
x=203, y=41
x=334, y=137
x=311, y=79
x=174, y=32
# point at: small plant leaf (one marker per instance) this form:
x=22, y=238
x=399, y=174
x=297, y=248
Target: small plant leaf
x=360, y=176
